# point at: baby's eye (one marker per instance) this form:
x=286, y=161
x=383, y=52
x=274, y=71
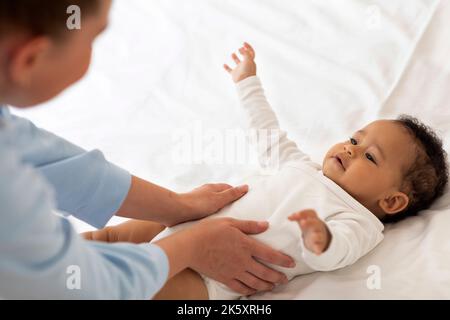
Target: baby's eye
x=353, y=141
x=369, y=156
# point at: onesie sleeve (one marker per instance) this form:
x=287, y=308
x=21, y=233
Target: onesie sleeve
x=273, y=146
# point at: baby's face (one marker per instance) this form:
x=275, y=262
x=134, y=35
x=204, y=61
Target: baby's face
x=371, y=164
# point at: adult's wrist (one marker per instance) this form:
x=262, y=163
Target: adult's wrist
x=180, y=249
x=182, y=209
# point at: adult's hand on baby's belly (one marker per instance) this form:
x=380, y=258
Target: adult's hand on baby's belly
x=226, y=253
x=207, y=200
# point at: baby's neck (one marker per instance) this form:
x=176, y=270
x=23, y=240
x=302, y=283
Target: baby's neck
x=374, y=208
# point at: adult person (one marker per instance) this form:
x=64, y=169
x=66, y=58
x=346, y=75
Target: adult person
x=39, y=58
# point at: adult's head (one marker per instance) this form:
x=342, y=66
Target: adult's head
x=39, y=55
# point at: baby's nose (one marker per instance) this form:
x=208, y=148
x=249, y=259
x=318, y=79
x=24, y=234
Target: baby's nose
x=350, y=150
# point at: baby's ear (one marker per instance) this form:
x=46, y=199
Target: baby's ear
x=394, y=203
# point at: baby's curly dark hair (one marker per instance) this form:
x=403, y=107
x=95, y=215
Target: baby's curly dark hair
x=427, y=178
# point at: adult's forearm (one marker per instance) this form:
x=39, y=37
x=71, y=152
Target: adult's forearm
x=147, y=201
x=180, y=250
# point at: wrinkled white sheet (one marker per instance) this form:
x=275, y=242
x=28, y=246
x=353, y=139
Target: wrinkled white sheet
x=329, y=67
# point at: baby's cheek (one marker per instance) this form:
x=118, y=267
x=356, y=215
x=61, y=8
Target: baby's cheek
x=359, y=182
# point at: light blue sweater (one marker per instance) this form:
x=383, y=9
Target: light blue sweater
x=41, y=255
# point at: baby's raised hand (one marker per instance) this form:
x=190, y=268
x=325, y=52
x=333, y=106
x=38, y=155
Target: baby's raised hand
x=315, y=233
x=245, y=68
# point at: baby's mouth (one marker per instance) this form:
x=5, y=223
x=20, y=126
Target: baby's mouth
x=339, y=161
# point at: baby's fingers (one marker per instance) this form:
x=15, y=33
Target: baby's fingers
x=227, y=68
x=316, y=242
x=316, y=237
x=235, y=58
x=304, y=214
x=245, y=53
x=310, y=224
x=317, y=249
x=250, y=50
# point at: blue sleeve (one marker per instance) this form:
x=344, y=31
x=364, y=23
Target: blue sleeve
x=42, y=257
x=87, y=186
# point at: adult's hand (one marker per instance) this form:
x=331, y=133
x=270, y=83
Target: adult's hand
x=148, y=201
x=208, y=199
x=222, y=250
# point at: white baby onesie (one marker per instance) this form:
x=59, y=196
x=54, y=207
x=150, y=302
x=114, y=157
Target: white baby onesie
x=298, y=184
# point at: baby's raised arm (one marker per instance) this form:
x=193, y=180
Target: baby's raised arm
x=273, y=145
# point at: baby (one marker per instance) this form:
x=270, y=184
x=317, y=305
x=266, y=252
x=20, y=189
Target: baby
x=388, y=170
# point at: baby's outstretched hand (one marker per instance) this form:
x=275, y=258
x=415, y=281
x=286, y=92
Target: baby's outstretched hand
x=245, y=68
x=315, y=233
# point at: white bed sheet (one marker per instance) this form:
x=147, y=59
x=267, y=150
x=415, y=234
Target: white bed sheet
x=328, y=67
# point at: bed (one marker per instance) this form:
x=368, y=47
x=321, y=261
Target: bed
x=328, y=67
